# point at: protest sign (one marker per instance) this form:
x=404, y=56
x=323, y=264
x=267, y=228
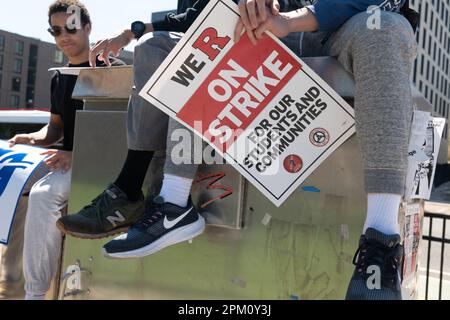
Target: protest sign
x=16, y=167
x=425, y=142
x=260, y=106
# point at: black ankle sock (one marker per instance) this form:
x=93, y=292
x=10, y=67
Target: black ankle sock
x=133, y=173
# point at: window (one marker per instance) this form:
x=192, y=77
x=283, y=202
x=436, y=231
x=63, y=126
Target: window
x=31, y=80
x=19, y=48
x=16, y=84
x=59, y=56
x=2, y=43
x=1, y=62
x=17, y=67
x=14, y=101
x=30, y=97
x=32, y=62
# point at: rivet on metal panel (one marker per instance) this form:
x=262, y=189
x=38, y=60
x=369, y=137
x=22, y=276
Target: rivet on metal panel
x=266, y=220
x=91, y=259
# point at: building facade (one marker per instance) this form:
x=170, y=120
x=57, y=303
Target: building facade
x=24, y=76
x=431, y=74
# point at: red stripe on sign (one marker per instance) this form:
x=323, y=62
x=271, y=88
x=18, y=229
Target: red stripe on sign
x=238, y=90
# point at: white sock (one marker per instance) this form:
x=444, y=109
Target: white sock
x=33, y=296
x=176, y=190
x=382, y=213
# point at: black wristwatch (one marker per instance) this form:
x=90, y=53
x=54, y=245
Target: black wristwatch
x=138, y=29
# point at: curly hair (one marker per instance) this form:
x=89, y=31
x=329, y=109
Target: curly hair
x=64, y=5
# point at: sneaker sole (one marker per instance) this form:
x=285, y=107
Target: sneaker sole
x=86, y=236
x=178, y=235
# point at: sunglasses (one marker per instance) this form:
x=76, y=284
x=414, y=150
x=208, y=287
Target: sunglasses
x=57, y=30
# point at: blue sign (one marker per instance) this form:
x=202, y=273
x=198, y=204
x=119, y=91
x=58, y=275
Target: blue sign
x=9, y=162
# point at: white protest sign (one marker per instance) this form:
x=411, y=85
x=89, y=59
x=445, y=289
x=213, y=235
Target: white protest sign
x=16, y=167
x=425, y=141
x=261, y=107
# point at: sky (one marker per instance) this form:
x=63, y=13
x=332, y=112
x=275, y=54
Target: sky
x=108, y=17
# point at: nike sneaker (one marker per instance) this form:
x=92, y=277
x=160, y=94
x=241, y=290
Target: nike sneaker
x=378, y=262
x=164, y=224
x=109, y=214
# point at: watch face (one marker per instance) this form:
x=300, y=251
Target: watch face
x=138, y=28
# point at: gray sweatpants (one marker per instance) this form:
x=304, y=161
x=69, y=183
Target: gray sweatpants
x=42, y=241
x=35, y=240
x=380, y=61
x=147, y=125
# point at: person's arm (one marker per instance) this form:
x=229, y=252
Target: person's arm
x=324, y=15
x=172, y=22
x=280, y=24
x=48, y=136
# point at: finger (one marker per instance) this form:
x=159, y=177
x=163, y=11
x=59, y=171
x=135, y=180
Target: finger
x=48, y=152
x=275, y=7
x=66, y=167
x=238, y=31
x=244, y=15
x=251, y=9
x=252, y=37
x=95, y=51
x=116, y=52
x=53, y=165
x=261, y=10
x=260, y=31
x=12, y=143
x=56, y=166
x=105, y=56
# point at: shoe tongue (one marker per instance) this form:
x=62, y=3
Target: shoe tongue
x=114, y=192
x=159, y=200
x=389, y=241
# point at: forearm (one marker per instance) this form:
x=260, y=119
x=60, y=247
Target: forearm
x=302, y=20
x=47, y=136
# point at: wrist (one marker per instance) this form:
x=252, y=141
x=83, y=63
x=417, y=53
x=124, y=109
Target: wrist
x=290, y=18
x=129, y=35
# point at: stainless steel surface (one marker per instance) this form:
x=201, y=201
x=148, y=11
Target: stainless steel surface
x=110, y=83
x=302, y=250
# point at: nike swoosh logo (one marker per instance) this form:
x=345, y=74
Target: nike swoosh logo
x=170, y=224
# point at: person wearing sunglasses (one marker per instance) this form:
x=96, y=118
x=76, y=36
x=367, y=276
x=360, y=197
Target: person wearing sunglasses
x=50, y=186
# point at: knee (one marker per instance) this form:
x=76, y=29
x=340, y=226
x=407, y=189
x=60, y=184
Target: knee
x=389, y=33
x=149, y=41
x=48, y=190
x=39, y=194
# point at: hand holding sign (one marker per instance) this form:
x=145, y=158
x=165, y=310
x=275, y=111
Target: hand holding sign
x=253, y=12
x=58, y=160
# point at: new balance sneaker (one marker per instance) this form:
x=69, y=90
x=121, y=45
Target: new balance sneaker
x=163, y=225
x=109, y=214
x=378, y=262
